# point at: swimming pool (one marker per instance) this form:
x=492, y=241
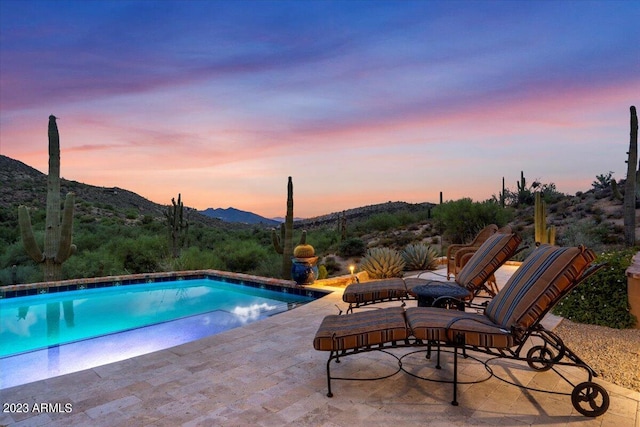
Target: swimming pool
x=109, y=323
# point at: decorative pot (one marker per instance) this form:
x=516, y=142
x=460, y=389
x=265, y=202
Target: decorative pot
x=304, y=270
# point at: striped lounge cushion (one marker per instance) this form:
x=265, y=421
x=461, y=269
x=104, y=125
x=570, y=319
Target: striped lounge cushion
x=362, y=329
x=494, y=252
x=375, y=290
x=542, y=279
x=436, y=324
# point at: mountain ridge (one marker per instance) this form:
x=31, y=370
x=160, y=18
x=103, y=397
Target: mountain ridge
x=21, y=184
x=232, y=214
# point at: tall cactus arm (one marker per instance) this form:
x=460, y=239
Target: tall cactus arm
x=277, y=241
x=28, y=239
x=66, y=248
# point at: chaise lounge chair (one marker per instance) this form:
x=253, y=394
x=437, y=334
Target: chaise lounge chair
x=491, y=255
x=510, y=320
x=463, y=255
x=480, y=238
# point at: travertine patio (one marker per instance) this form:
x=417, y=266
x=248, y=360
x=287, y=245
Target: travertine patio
x=268, y=374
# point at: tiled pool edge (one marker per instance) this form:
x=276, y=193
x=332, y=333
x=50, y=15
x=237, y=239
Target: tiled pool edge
x=278, y=285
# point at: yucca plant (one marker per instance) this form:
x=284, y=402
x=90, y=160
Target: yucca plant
x=382, y=263
x=420, y=257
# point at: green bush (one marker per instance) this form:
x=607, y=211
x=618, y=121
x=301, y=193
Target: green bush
x=382, y=263
x=142, y=255
x=602, y=299
x=352, y=247
x=462, y=219
x=243, y=256
x=97, y=263
x=322, y=272
x=194, y=258
x=322, y=240
x=382, y=222
x=29, y=273
x=271, y=266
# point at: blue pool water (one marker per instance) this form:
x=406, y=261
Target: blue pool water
x=69, y=331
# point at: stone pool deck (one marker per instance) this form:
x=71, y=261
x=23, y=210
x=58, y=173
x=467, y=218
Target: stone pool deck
x=268, y=374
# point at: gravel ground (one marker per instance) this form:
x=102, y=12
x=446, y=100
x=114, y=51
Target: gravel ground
x=613, y=353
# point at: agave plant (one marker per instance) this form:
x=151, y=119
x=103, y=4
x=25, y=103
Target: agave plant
x=382, y=263
x=420, y=257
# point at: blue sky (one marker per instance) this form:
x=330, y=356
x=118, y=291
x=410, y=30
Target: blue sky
x=361, y=102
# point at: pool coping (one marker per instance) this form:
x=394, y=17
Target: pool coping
x=272, y=284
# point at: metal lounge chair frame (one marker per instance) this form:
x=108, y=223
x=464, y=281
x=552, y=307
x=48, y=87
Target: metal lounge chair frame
x=477, y=241
x=480, y=267
x=393, y=328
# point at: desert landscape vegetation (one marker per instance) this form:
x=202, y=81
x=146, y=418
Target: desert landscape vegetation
x=118, y=232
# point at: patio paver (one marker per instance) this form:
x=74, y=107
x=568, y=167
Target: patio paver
x=268, y=374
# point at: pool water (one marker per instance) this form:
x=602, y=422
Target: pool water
x=70, y=331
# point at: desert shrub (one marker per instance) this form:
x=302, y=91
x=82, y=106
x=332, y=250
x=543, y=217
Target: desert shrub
x=195, y=258
x=462, y=219
x=15, y=254
x=353, y=246
x=147, y=219
x=271, y=266
x=581, y=233
x=242, y=256
x=397, y=240
x=322, y=272
x=602, y=299
x=420, y=257
x=382, y=263
x=550, y=194
x=20, y=274
x=131, y=214
x=323, y=240
x=141, y=255
x=602, y=182
x=97, y=263
x=331, y=265
x=404, y=217
x=382, y=222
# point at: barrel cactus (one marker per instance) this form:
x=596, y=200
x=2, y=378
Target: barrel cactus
x=420, y=257
x=382, y=263
x=304, y=251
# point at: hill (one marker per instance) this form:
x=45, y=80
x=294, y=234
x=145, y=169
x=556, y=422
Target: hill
x=593, y=212
x=21, y=184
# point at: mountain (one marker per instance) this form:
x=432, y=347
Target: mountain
x=236, y=215
x=21, y=184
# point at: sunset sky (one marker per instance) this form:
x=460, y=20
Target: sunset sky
x=361, y=102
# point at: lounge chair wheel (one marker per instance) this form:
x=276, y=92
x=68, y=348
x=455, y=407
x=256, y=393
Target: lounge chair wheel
x=539, y=358
x=590, y=399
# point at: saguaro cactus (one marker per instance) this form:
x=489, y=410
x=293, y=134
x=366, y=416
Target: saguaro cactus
x=542, y=233
x=522, y=189
x=283, y=243
x=178, y=225
x=630, y=185
x=58, y=235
